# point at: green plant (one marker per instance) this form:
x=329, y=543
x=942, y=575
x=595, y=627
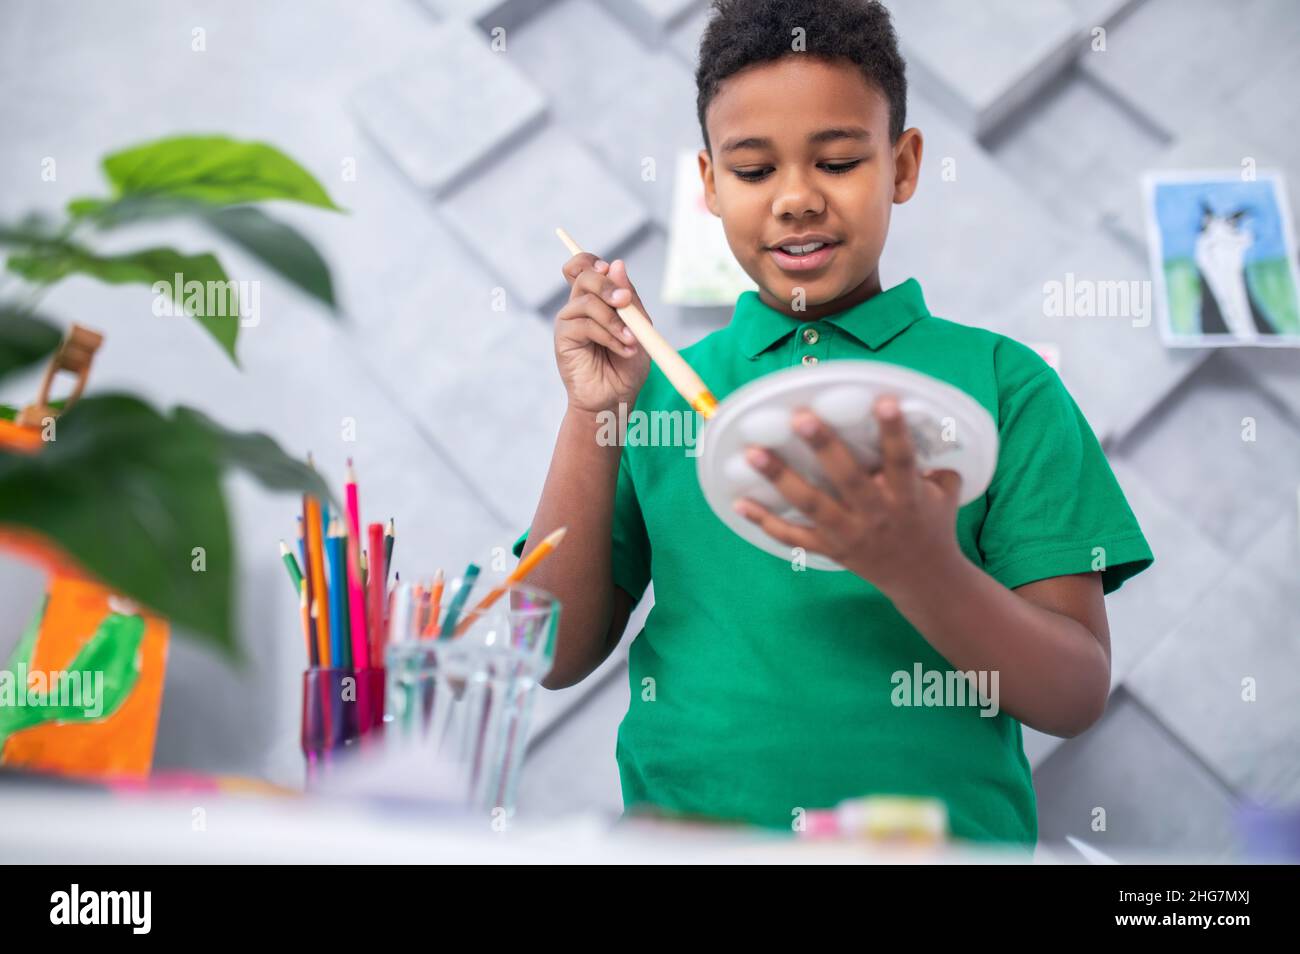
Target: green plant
x=131, y=493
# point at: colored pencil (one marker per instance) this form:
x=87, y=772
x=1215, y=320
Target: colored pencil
x=309, y=583
x=338, y=601
x=402, y=606
x=458, y=600
x=376, y=595
x=315, y=619
x=435, y=604
x=306, y=628
x=390, y=535
x=356, y=594
x=316, y=571
x=419, y=605
x=324, y=521
x=291, y=564
x=525, y=567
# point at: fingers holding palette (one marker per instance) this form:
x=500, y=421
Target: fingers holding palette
x=948, y=430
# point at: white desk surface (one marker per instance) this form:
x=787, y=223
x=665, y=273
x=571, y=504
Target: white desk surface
x=39, y=825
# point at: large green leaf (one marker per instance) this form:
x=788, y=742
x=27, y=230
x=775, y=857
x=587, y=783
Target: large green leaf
x=33, y=229
x=279, y=246
x=133, y=209
x=259, y=455
x=213, y=169
x=24, y=339
x=214, y=304
x=130, y=494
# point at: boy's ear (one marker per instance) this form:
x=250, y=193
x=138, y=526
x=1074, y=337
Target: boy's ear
x=907, y=164
x=706, y=176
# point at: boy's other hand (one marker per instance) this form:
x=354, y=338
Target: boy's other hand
x=888, y=526
x=600, y=361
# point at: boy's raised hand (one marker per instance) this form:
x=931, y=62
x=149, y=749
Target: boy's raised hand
x=600, y=361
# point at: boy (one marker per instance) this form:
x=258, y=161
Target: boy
x=759, y=691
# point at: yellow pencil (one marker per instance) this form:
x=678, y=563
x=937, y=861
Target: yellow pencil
x=525, y=567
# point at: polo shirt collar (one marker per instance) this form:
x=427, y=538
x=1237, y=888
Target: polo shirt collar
x=872, y=322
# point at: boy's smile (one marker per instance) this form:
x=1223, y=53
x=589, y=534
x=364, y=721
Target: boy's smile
x=803, y=176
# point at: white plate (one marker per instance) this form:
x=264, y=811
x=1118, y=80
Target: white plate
x=950, y=430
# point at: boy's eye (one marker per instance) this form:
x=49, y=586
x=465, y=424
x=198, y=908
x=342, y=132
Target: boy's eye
x=839, y=168
x=835, y=168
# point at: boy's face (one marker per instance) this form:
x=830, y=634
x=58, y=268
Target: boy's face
x=770, y=180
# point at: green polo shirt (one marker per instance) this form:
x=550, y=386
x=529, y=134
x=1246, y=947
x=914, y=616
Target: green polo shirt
x=759, y=690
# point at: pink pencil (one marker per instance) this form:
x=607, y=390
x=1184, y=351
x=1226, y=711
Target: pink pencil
x=356, y=594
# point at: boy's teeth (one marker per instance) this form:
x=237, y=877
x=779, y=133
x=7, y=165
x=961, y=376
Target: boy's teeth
x=802, y=249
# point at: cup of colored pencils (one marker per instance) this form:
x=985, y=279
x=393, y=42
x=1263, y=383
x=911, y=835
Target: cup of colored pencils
x=341, y=580
x=457, y=662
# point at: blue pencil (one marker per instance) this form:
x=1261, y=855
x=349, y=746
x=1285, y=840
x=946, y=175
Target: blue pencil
x=340, y=643
x=324, y=520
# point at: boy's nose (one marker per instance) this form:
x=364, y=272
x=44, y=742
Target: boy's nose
x=798, y=198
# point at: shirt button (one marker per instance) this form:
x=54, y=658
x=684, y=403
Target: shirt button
x=810, y=359
x=810, y=335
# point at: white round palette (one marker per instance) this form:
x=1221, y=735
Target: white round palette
x=949, y=429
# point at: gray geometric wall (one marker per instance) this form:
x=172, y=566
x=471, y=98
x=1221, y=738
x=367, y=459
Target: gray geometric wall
x=466, y=159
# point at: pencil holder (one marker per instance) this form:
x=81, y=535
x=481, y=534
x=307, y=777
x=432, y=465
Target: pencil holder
x=370, y=701
x=329, y=715
x=465, y=702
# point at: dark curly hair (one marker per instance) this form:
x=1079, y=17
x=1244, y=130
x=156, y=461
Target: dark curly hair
x=743, y=32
